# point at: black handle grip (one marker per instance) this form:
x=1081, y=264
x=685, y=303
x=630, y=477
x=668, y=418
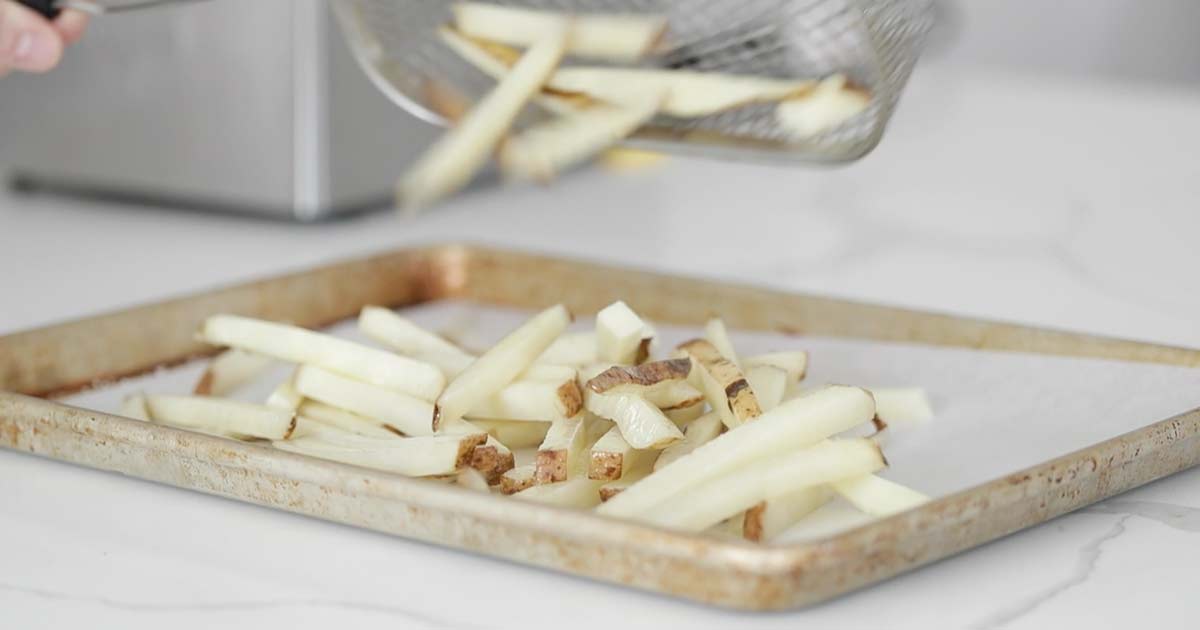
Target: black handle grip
x=45, y=7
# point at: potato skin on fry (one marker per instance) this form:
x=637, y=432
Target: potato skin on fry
x=740, y=401
x=645, y=374
x=606, y=466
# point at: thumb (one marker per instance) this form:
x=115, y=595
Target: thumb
x=27, y=41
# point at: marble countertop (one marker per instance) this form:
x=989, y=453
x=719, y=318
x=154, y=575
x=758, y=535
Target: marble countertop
x=1046, y=201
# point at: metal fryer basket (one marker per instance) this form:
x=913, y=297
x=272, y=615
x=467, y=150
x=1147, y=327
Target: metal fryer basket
x=874, y=42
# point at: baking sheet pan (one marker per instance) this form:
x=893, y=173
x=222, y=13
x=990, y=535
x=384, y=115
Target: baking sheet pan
x=1018, y=438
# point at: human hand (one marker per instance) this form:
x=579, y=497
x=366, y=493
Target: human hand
x=30, y=42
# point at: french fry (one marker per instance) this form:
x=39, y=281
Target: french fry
x=230, y=370
x=285, y=397
x=828, y=105
x=794, y=363
x=622, y=38
x=769, y=518
x=834, y=517
x=769, y=385
x=620, y=335
x=662, y=383
x=716, y=334
x=633, y=474
x=572, y=349
x=731, y=527
x=541, y=152
x=472, y=480
x=416, y=456
x=709, y=503
x=534, y=398
x=579, y=492
x=724, y=384
x=221, y=416
x=404, y=413
x=682, y=416
x=398, y=333
x=518, y=479
x=689, y=94
x=612, y=457
x=453, y=159
x=515, y=433
x=298, y=345
x=133, y=406
x=307, y=427
x=878, y=496
x=699, y=432
x=544, y=401
x=794, y=424
x=497, y=60
x=908, y=406
x=493, y=458
x=638, y=379
x=500, y=365
x=563, y=451
x=343, y=420
x=641, y=423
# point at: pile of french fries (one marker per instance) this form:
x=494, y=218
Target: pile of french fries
x=703, y=440
x=593, y=105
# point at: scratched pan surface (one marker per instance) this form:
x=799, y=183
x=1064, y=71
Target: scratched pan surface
x=1020, y=436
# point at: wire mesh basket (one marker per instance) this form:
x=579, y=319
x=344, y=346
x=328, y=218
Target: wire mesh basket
x=875, y=43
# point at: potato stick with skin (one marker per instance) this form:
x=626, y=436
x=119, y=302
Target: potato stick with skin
x=638, y=471
x=415, y=457
x=230, y=370
x=828, y=105
x=684, y=416
x=518, y=479
x=563, y=450
x=663, y=383
x=344, y=420
x=638, y=379
x=515, y=433
x=902, y=406
x=689, y=94
x=613, y=37
x=579, y=492
x=134, y=407
x=794, y=424
x=724, y=384
x=221, y=416
x=500, y=365
x=878, y=496
x=398, y=333
x=707, y=504
x=716, y=334
x=455, y=158
x=543, y=151
x=492, y=458
x=573, y=349
x=794, y=363
x=611, y=457
x=298, y=345
x=538, y=401
x=496, y=61
x=772, y=517
x=699, y=432
x=642, y=424
x=619, y=334
x=407, y=414
x=769, y=384
x=472, y=480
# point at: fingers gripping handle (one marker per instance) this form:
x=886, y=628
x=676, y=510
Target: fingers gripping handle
x=47, y=8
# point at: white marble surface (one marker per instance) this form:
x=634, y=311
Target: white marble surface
x=1045, y=201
